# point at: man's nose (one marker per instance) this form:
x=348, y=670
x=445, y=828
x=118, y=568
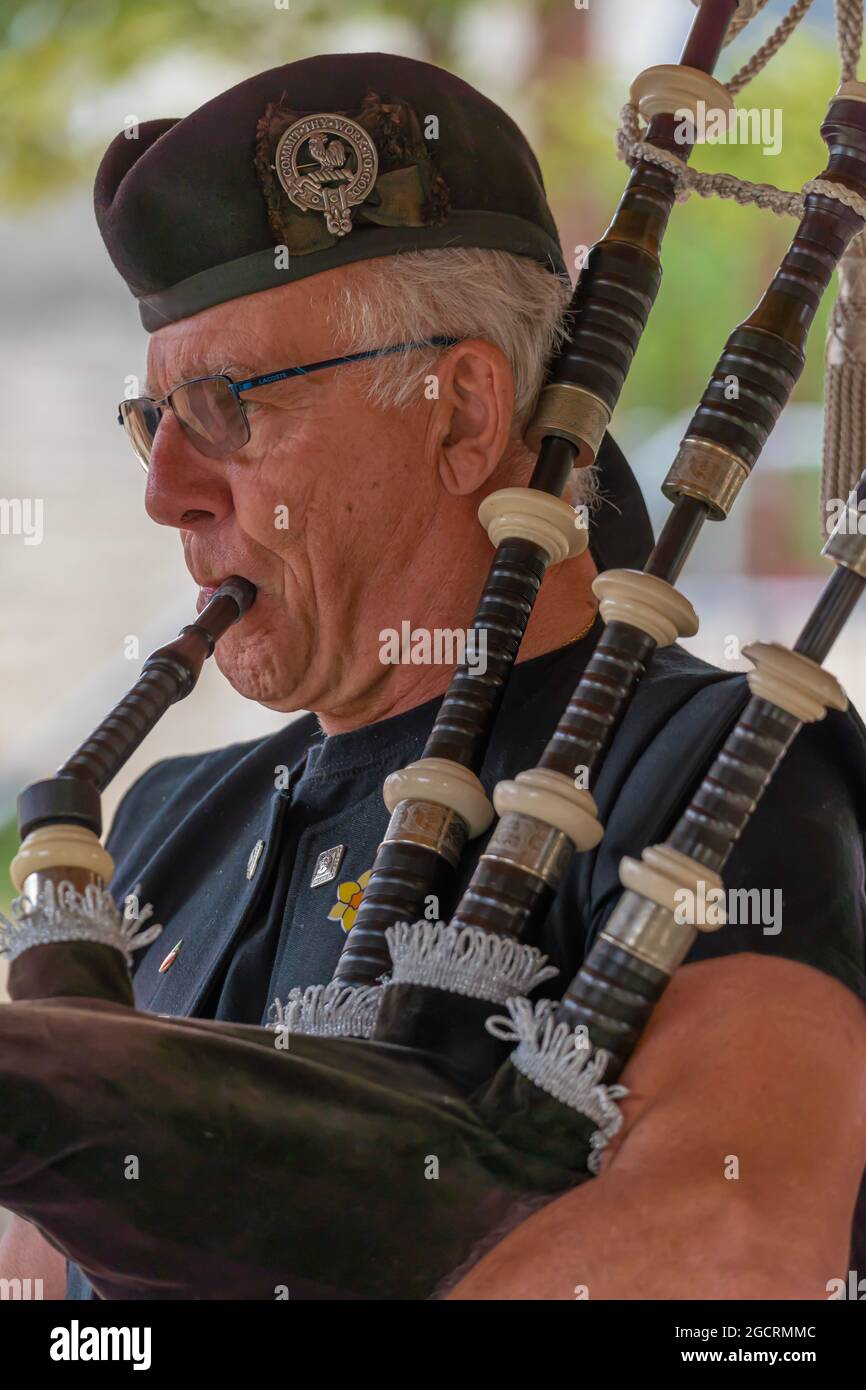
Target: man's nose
x=184, y=487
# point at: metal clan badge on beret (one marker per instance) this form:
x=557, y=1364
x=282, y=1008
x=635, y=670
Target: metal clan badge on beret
x=327, y=164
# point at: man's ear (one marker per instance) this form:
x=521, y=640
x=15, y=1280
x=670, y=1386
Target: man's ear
x=470, y=425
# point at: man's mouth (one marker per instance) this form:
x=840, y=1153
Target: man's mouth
x=206, y=592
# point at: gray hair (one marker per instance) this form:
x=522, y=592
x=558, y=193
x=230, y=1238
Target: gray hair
x=459, y=292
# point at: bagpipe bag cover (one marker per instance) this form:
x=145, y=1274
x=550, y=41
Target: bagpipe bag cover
x=259, y=1168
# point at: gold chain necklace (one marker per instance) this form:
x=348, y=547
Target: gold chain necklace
x=583, y=631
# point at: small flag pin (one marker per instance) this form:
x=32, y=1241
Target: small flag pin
x=171, y=957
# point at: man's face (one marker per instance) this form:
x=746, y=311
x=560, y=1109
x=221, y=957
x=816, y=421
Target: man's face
x=323, y=509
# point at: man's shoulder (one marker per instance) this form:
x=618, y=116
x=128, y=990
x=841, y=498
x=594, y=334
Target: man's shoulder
x=716, y=698
x=539, y=693
x=672, y=676
x=685, y=708
x=800, y=855
x=677, y=720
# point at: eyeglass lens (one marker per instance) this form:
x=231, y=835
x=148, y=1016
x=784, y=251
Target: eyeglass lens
x=207, y=410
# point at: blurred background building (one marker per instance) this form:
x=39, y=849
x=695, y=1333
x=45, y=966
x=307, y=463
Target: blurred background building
x=73, y=71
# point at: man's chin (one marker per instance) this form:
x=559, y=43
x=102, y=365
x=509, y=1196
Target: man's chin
x=253, y=669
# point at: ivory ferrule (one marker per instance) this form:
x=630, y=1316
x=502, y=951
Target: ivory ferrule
x=426, y=823
x=671, y=89
x=63, y=848
x=793, y=682
x=525, y=513
x=571, y=413
x=708, y=472
x=668, y=878
x=553, y=799
x=851, y=91
x=646, y=602
x=442, y=783
x=649, y=932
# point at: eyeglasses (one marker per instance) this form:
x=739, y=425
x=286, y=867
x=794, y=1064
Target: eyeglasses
x=209, y=408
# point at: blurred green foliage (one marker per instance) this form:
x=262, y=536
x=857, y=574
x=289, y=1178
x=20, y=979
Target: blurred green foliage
x=718, y=256
x=58, y=57
x=8, y=850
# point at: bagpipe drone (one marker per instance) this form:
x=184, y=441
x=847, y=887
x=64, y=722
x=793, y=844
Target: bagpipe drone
x=425, y=1041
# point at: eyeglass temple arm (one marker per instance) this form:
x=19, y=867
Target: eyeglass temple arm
x=251, y=383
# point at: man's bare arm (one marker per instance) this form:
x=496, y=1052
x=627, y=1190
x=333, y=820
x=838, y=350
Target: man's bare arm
x=26, y=1254
x=751, y=1064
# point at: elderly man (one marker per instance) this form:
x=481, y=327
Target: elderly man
x=423, y=304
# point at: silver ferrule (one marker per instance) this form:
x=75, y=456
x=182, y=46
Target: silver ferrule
x=425, y=823
x=531, y=845
x=571, y=413
x=649, y=932
x=709, y=472
x=79, y=878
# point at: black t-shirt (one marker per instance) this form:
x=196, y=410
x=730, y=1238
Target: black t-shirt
x=227, y=845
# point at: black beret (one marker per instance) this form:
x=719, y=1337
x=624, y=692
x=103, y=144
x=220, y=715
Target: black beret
x=312, y=165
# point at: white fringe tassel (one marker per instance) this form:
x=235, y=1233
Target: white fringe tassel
x=550, y=1055
x=329, y=1011
x=62, y=913
x=459, y=960
x=465, y=960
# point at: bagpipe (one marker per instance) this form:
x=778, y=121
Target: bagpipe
x=425, y=1044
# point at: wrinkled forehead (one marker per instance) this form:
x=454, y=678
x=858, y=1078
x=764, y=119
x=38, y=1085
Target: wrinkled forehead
x=291, y=325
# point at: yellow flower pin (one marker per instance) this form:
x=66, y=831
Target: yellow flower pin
x=350, y=895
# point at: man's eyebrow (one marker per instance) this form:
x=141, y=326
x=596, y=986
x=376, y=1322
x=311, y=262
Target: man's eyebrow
x=197, y=367
x=237, y=367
